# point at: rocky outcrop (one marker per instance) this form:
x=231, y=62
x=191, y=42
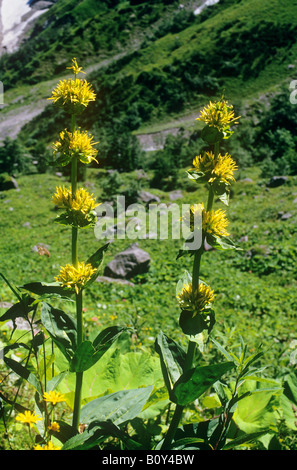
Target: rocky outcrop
x=128, y=263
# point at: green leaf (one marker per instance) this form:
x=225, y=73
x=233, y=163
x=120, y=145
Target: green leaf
x=193, y=383
x=61, y=327
x=244, y=439
x=87, y=354
x=96, y=261
x=44, y=289
x=114, y=372
x=23, y=372
x=221, y=243
x=118, y=407
x=258, y=410
x=211, y=135
x=172, y=358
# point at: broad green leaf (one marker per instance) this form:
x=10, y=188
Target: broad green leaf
x=114, y=372
x=118, y=407
x=43, y=289
x=195, y=382
x=61, y=327
x=87, y=354
x=172, y=358
x=258, y=410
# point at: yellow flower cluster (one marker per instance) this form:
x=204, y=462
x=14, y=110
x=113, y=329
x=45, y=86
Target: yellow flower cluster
x=78, y=144
x=216, y=170
x=82, y=201
x=79, y=209
x=73, y=95
x=214, y=223
x=195, y=300
x=75, y=278
x=218, y=114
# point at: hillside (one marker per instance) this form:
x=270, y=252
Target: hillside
x=156, y=64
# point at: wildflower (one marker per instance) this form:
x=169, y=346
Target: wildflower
x=79, y=209
x=82, y=201
x=78, y=144
x=54, y=427
x=28, y=418
x=76, y=69
x=214, y=223
x=218, y=114
x=215, y=170
x=195, y=300
x=53, y=397
x=73, y=95
x=75, y=277
x=49, y=446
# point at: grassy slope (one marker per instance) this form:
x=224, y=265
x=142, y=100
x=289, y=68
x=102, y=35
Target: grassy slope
x=259, y=307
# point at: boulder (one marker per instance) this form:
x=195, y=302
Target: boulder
x=276, y=181
x=148, y=198
x=8, y=182
x=128, y=263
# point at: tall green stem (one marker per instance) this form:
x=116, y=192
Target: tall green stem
x=79, y=375
x=78, y=299
x=192, y=345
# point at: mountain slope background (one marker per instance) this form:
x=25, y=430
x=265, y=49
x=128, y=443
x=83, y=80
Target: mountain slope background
x=153, y=65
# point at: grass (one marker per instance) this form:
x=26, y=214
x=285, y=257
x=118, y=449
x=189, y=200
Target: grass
x=254, y=295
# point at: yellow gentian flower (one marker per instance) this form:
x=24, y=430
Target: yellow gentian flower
x=195, y=300
x=216, y=170
x=75, y=277
x=78, y=144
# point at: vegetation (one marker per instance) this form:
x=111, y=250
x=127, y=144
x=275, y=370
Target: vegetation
x=153, y=65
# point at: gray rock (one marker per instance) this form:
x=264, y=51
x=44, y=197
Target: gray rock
x=276, y=181
x=145, y=196
x=177, y=194
x=128, y=263
x=8, y=183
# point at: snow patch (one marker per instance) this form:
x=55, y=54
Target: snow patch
x=208, y=3
x=15, y=16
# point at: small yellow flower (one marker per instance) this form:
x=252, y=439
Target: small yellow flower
x=54, y=427
x=75, y=277
x=218, y=169
x=76, y=69
x=218, y=114
x=73, y=95
x=195, y=300
x=78, y=144
x=49, y=446
x=28, y=418
x=53, y=397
